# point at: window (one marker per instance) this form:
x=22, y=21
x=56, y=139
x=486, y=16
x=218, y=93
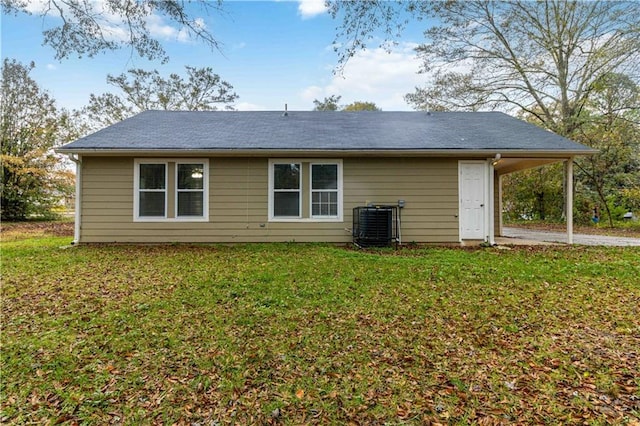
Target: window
x=286, y=190
x=190, y=190
x=170, y=190
x=152, y=195
x=324, y=190
x=305, y=190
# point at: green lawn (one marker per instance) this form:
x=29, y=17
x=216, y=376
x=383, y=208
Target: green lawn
x=294, y=334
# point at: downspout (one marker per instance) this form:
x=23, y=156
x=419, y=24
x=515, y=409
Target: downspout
x=78, y=214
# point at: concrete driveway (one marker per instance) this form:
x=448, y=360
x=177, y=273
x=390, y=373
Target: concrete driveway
x=561, y=237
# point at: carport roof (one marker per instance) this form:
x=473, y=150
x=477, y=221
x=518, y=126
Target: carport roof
x=268, y=132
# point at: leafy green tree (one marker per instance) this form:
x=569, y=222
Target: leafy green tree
x=328, y=104
x=33, y=179
x=612, y=126
x=331, y=103
x=540, y=58
x=534, y=194
x=365, y=22
x=605, y=181
x=140, y=90
x=630, y=197
x=549, y=61
x=361, y=106
x=89, y=27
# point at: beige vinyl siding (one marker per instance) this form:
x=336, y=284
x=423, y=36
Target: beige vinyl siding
x=238, y=202
x=429, y=188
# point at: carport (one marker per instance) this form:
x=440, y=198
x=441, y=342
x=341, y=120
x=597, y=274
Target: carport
x=504, y=164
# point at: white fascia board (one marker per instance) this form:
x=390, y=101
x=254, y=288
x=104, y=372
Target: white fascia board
x=455, y=153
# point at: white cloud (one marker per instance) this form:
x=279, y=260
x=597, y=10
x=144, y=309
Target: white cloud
x=313, y=92
x=114, y=32
x=200, y=24
x=374, y=76
x=159, y=28
x=311, y=8
x=36, y=6
x=248, y=106
x=183, y=36
x=51, y=67
x=333, y=47
x=112, y=25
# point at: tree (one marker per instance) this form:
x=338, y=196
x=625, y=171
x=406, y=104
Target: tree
x=547, y=61
x=613, y=127
x=331, y=104
x=33, y=180
x=201, y=90
x=328, y=104
x=363, y=21
x=542, y=58
x=534, y=194
x=605, y=181
x=90, y=27
x=361, y=106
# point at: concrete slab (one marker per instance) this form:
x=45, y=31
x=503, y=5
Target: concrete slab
x=561, y=237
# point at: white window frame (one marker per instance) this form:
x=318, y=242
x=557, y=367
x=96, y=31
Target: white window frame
x=338, y=189
x=137, y=190
x=166, y=161
x=204, y=190
x=272, y=190
x=304, y=189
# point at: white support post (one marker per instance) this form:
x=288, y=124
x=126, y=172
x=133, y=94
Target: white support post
x=499, y=212
x=569, y=199
x=490, y=203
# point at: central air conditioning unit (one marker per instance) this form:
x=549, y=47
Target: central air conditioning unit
x=375, y=226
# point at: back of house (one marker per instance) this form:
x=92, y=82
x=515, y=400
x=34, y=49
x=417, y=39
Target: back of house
x=223, y=177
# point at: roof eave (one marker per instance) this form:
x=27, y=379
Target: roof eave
x=327, y=152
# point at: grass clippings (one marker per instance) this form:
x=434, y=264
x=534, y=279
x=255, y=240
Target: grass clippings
x=318, y=334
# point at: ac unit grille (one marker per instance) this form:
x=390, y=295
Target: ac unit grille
x=374, y=226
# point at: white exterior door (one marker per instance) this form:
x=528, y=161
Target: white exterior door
x=473, y=205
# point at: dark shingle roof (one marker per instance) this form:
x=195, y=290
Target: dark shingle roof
x=322, y=131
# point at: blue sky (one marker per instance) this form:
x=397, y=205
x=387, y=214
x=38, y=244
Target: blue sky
x=272, y=53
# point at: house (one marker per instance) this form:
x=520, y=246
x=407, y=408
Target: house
x=178, y=176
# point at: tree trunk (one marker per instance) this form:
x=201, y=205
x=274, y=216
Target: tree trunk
x=606, y=206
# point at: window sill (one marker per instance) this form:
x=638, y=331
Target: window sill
x=170, y=220
x=307, y=220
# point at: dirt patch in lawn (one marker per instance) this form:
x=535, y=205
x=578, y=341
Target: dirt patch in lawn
x=12, y=231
